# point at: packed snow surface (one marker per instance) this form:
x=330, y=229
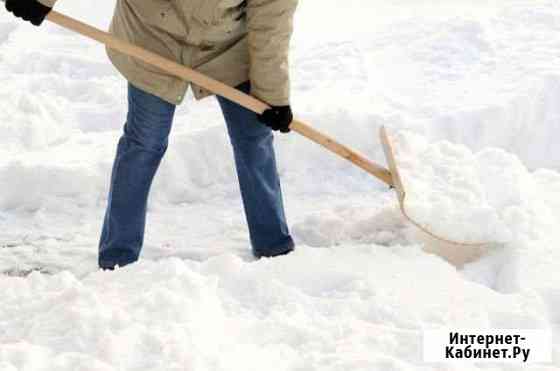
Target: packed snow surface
x=460, y=77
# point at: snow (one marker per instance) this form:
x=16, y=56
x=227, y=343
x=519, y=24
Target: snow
x=478, y=81
x=448, y=187
x=319, y=309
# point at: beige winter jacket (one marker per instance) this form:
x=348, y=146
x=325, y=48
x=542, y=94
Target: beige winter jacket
x=229, y=40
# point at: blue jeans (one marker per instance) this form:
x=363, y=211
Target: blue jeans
x=139, y=153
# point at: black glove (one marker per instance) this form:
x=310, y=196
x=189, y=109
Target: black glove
x=277, y=118
x=30, y=10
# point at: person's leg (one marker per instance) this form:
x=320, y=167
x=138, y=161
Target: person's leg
x=139, y=153
x=258, y=179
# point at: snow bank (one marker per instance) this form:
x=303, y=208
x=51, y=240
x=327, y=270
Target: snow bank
x=454, y=76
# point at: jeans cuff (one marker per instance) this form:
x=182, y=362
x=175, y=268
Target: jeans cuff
x=282, y=249
x=110, y=258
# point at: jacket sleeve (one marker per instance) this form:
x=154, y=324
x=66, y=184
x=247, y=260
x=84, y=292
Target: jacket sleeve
x=270, y=26
x=49, y=3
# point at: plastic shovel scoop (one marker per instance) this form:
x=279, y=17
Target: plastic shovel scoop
x=390, y=176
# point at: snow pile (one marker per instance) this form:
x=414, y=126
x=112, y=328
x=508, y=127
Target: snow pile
x=483, y=197
x=347, y=308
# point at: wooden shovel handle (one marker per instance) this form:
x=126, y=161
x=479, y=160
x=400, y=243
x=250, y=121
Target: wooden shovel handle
x=219, y=88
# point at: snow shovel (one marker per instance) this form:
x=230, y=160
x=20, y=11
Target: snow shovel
x=389, y=176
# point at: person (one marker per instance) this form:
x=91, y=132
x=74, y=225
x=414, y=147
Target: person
x=240, y=43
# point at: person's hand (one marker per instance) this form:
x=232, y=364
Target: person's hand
x=29, y=10
x=277, y=118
